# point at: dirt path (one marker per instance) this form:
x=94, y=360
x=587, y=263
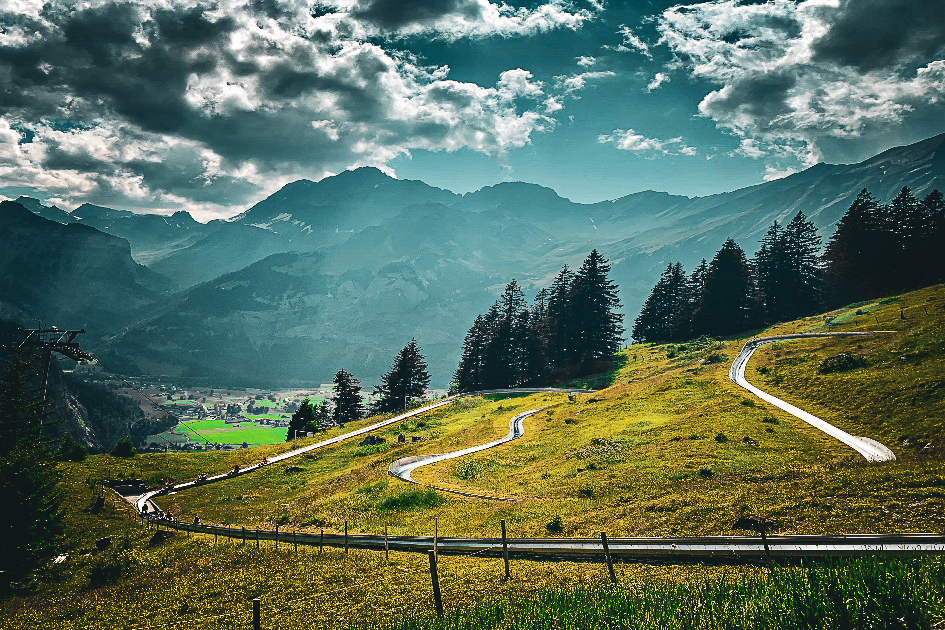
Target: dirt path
x=870, y=449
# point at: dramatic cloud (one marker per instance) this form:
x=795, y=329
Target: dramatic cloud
x=629, y=140
x=453, y=19
x=799, y=80
x=182, y=103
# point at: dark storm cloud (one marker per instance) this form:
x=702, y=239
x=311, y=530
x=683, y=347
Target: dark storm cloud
x=96, y=59
x=874, y=34
x=762, y=96
x=392, y=15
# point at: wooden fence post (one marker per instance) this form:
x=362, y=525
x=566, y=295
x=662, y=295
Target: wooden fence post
x=257, y=624
x=321, y=542
x=505, y=551
x=277, y=536
x=610, y=562
x=243, y=540
x=257, y=538
x=346, y=537
x=386, y=547
x=437, y=601
x=295, y=540
x=436, y=536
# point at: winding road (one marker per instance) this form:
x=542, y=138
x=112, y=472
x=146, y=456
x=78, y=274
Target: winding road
x=870, y=449
x=402, y=467
x=712, y=550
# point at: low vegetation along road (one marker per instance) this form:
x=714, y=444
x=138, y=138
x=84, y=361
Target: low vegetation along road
x=870, y=449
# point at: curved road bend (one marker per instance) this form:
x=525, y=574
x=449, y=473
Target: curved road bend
x=141, y=501
x=870, y=449
x=402, y=467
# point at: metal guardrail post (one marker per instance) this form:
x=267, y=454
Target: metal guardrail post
x=257, y=624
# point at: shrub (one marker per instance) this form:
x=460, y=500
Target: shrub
x=842, y=362
x=721, y=437
x=124, y=448
x=672, y=352
x=715, y=357
x=705, y=473
x=412, y=500
x=107, y=568
x=769, y=420
x=555, y=526
x=70, y=450
x=747, y=402
x=467, y=469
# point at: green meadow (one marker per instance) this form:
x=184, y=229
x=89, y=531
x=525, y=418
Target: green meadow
x=668, y=446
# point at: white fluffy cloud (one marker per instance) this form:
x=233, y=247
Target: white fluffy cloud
x=630, y=140
x=209, y=105
x=799, y=79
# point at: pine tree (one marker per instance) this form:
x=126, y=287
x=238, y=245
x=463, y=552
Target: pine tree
x=28, y=477
x=470, y=374
x=909, y=219
x=407, y=378
x=303, y=421
x=803, y=277
x=560, y=342
x=695, y=290
x=598, y=327
x=855, y=252
x=347, y=401
x=662, y=317
x=727, y=304
x=769, y=264
x=933, y=252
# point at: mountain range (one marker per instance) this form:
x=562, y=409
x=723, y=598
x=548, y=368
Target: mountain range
x=343, y=272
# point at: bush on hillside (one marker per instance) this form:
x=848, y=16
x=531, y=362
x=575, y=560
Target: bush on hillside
x=843, y=362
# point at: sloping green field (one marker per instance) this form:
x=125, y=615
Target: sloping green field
x=660, y=451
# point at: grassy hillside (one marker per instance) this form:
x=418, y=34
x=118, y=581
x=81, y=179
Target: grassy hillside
x=660, y=451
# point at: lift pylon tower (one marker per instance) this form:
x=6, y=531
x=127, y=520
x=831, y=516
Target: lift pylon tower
x=49, y=340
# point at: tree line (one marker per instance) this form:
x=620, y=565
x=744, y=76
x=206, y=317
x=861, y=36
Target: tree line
x=407, y=379
x=876, y=249
x=571, y=323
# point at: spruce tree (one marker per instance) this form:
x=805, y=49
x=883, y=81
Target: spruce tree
x=407, y=378
x=470, y=374
x=346, y=399
x=727, y=304
x=854, y=253
x=803, y=276
x=598, y=327
x=933, y=252
x=303, y=421
x=663, y=317
x=561, y=342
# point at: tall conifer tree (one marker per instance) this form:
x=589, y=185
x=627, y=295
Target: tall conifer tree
x=347, y=400
x=597, y=324
x=408, y=378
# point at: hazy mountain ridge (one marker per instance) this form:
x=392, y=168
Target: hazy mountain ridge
x=385, y=260
x=69, y=274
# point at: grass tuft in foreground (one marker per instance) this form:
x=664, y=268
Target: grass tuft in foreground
x=861, y=593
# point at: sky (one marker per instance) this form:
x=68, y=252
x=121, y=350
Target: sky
x=211, y=106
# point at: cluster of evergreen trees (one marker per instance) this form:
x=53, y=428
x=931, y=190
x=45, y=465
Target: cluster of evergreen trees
x=407, y=379
x=876, y=249
x=571, y=323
